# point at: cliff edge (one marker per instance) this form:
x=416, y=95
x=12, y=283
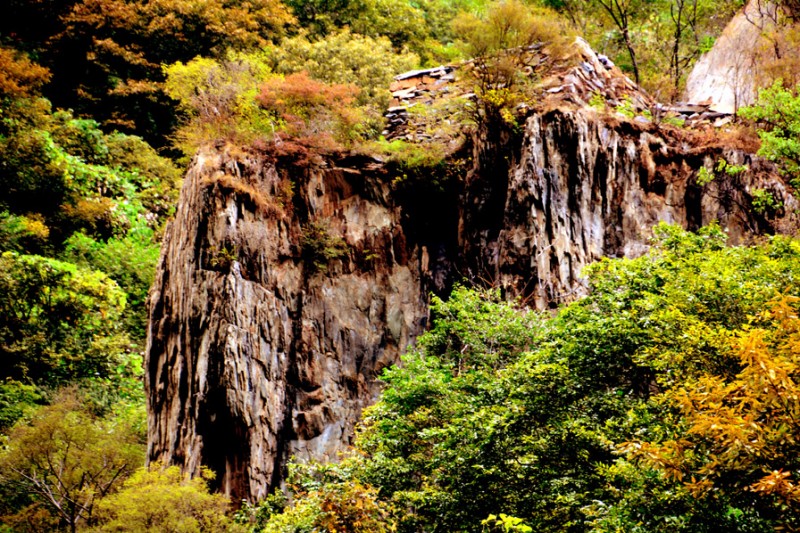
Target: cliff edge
x=286, y=283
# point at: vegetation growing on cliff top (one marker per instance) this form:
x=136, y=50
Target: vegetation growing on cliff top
x=664, y=401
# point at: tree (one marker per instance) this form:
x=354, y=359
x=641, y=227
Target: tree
x=657, y=41
x=19, y=76
x=777, y=115
x=401, y=22
x=498, y=41
x=66, y=174
x=130, y=261
x=328, y=499
x=65, y=459
x=502, y=44
x=737, y=439
x=684, y=17
x=622, y=14
x=106, y=55
x=500, y=410
x=58, y=322
x=163, y=499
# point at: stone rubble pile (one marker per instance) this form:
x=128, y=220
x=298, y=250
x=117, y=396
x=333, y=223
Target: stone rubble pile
x=695, y=114
x=420, y=85
x=416, y=87
x=592, y=78
x=597, y=76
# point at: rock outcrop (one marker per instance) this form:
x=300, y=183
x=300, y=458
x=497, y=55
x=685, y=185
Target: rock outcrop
x=260, y=345
x=287, y=283
x=582, y=188
x=727, y=76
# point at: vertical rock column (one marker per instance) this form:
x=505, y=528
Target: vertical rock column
x=255, y=353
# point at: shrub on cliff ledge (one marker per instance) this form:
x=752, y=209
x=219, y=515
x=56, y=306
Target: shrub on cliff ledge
x=318, y=113
x=240, y=99
x=777, y=114
x=344, y=57
x=217, y=98
x=319, y=247
x=499, y=41
x=504, y=46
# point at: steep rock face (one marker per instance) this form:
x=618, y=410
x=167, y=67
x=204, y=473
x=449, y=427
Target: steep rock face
x=276, y=306
x=255, y=353
x=581, y=187
x=727, y=75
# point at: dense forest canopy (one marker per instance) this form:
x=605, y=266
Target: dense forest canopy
x=666, y=400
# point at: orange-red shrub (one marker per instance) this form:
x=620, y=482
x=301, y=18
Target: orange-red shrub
x=313, y=110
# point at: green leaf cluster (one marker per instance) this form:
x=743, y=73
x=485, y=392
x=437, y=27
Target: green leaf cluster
x=80, y=212
x=58, y=322
x=502, y=410
x=777, y=115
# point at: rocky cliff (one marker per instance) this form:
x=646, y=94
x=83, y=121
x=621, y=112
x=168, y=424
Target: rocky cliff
x=282, y=291
x=727, y=76
x=287, y=283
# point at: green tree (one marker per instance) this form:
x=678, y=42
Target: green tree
x=499, y=410
x=66, y=174
x=65, y=459
x=440, y=441
x=401, y=22
x=777, y=115
x=130, y=261
x=58, y=322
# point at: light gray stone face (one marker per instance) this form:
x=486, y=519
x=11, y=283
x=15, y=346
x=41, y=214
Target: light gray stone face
x=254, y=355
x=727, y=76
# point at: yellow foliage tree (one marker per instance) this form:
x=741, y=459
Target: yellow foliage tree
x=109, y=54
x=740, y=436
x=163, y=499
x=19, y=76
x=66, y=459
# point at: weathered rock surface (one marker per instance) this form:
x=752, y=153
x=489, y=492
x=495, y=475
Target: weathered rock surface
x=266, y=334
x=583, y=187
x=727, y=76
x=254, y=354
